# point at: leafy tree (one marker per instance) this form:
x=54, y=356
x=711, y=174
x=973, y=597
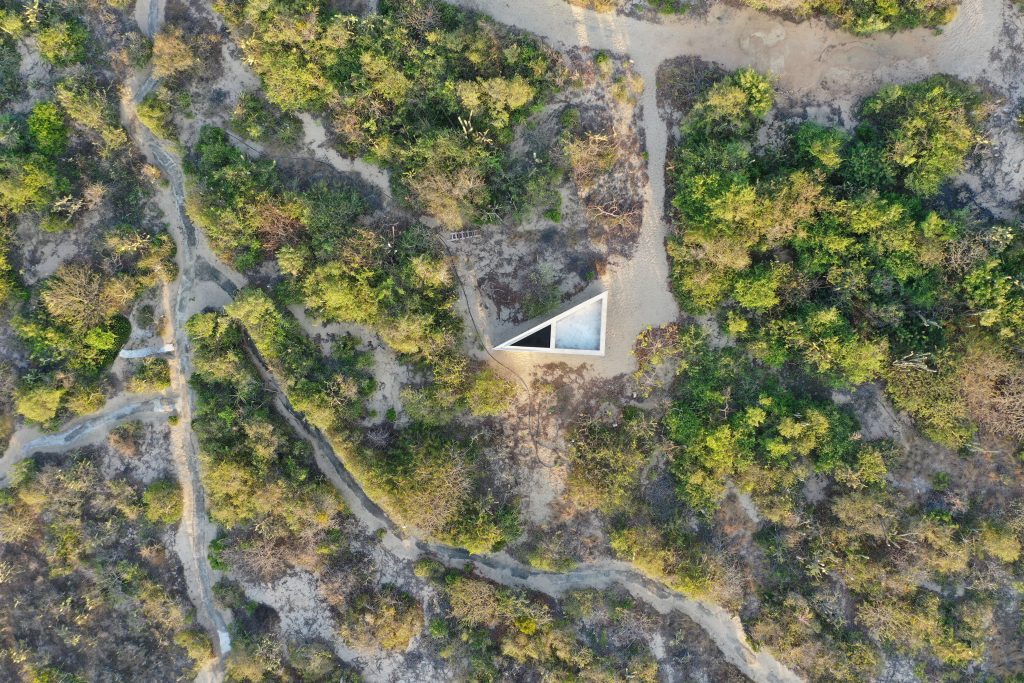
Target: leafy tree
x=30, y=183
x=156, y=113
x=921, y=133
x=80, y=297
x=39, y=403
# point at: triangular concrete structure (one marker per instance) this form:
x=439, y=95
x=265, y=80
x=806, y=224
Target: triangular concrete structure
x=579, y=330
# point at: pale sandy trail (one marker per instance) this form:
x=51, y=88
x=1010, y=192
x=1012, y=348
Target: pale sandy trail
x=202, y=282
x=181, y=299
x=146, y=352
x=314, y=140
x=806, y=57
x=84, y=431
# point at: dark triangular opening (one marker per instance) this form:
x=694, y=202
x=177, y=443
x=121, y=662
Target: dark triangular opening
x=541, y=339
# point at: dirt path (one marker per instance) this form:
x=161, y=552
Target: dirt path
x=314, y=141
x=187, y=295
x=199, y=285
x=86, y=430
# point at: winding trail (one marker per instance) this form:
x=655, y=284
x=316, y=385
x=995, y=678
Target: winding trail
x=723, y=628
x=85, y=430
x=198, y=286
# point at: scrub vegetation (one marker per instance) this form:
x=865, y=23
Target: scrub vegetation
x=66, y=168
x=426, y=477
x=388, y=276
x=864, y=18
x=829, y=250
x=88, y=585
x=856, y=16
x=490, y=632
x=425, y=89
x=829, y=259
x=827, y=443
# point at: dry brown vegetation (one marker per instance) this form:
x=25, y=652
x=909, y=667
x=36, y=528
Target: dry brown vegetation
x=88, y=586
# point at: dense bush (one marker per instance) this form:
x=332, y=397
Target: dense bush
x=828, y=252
x=62, y=42
x=737, y=423
x=261, y=483
x=329, y=392
x=823, y=247
x=422, y=87
x=257, y=119
x=162, y=502
x=492, y=632
x=426, y=479
x=879, y=15
x=11, y=86
x=156, y=112
x=606, y=460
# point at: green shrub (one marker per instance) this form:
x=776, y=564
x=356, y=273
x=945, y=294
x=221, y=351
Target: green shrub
x=39, y=403
x=162, y=502
x=921, y=132
x=606, y=460
x=489, y=394
x=196, y=645
x=63, y=43
x=872, y=17
x=257, y=119
x=11, y=86
x=156, y=112
x=46, y=129
x=154, y=374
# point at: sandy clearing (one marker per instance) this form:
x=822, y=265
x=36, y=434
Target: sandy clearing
x=314, y=140
x=35, y=73
x=304, y=614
